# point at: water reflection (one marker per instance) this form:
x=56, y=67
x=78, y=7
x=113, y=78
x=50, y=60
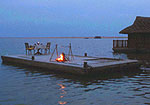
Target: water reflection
x=61, y=86
x=69, y=88
x=62, y=103
x=63, y=93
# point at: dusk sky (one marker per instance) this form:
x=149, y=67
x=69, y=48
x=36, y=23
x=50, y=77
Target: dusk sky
x=55, y=18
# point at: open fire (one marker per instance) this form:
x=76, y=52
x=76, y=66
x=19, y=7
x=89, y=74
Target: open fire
x=61, y=58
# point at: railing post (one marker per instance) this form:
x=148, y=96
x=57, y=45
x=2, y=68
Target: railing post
x=120, y=43
x=113, y=43
x=117, y=44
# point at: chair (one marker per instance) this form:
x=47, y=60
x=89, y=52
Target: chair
x=29, y=48
x=47, y=48
x=32, y=48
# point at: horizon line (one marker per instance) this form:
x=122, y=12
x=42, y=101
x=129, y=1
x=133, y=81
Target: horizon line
x=67, y=37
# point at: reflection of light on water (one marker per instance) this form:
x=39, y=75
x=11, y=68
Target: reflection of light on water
x=63, y=92
x=62, y=103
x=61, y=96
x=62, y=86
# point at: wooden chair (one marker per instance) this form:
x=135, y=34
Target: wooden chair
x=47, y=48
x=29, y=48
x=32, y=48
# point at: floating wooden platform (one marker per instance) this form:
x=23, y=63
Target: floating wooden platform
x=79, y=65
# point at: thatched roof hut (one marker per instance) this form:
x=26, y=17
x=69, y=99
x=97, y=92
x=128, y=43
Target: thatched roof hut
x=140, y=25
x=138, y=37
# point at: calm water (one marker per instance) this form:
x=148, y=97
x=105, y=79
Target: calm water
x=28, y=86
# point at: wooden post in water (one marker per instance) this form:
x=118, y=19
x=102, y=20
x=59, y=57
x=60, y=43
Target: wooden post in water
x=33, y=58
x=85, y=66
x=85, y=54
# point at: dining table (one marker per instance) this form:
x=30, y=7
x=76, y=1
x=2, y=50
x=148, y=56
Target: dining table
x=38, y=48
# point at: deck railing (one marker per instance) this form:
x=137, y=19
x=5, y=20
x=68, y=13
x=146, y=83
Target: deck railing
x=120, y=43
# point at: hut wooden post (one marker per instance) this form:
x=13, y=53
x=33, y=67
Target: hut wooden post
x=122, y=43
x=117, y=44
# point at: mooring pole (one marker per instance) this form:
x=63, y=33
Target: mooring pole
x=85, y=54
x=33, y=58
x=85, y=66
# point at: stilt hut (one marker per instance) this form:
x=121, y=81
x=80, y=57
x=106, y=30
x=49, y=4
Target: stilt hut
x=138, y=37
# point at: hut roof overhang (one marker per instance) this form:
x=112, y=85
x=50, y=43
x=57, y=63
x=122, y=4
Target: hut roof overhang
x=140, y=25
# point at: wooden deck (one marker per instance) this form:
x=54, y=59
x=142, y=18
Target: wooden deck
x=79, y=65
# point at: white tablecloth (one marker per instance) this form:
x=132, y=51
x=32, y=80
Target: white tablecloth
x=40, y=47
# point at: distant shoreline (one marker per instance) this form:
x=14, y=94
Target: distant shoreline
x=59, y=37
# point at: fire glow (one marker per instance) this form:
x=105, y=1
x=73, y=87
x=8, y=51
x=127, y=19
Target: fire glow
x=61, y=58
